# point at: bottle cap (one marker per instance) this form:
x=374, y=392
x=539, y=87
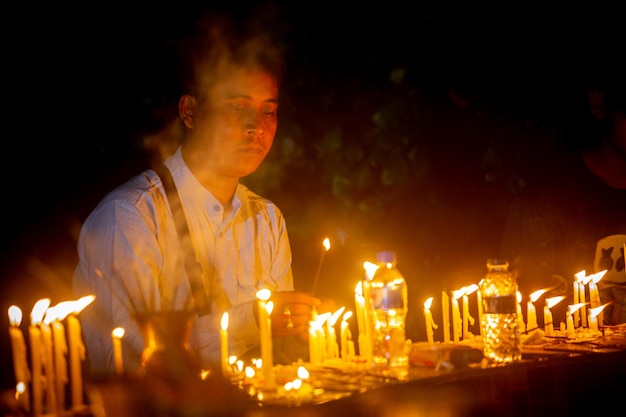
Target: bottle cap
x=386, y=256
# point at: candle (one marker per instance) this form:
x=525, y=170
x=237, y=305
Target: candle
x=224, y=344
x=20, y=361
x=36, y=354
x=456, y=315
x=594, y=295
x=116, y=336
x=359, y=303
x=583, y=302
x=428, y=317
x=570, y=325
x=548, y=322
x=48, y=365
x=593, y=316
x=445, y=309
x=467, y=318
x=576, y=297
x=571, y=309
x=76, y=351
x=325, y=248
x=479, y=304
x=265, y=326
x=520, y=316
x=531, y=311
x=315, y=348
x=347, y=345
x=58, y=313
x=332, y=347
x=370, y=269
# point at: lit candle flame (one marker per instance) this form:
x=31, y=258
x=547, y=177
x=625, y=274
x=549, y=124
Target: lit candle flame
x=575, y=307
x=370, y=269
x=428, y=303
x=38, y=311
x=303, y=373
x=326, y=244
x=471, y=289
x=552, y=301
x=597, y=310
x=335, y=316
x=118, y=332
x=347, y=315
x=598, y=276
x=535, y=295
x=15, y=315
x=224, y=322
x=458, y=293
x=580, y=275
x=358, y=289
x=263, y=294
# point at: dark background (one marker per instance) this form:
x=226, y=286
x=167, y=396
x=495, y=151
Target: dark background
x=402, y=127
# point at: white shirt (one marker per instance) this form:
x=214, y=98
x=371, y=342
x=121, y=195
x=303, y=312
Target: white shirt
x=130, y=258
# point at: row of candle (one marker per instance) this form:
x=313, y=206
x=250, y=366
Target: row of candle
x=461, y=319
x=49, y=343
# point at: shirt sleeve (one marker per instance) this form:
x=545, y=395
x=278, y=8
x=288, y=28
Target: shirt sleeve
x=120, y=262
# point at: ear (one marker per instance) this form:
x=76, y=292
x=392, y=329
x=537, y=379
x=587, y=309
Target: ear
x=186, y=108
x=597, y=104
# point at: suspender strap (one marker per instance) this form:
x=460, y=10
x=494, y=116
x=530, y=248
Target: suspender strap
x=201, y=296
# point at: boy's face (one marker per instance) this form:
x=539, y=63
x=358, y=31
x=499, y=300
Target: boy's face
x=235, y=124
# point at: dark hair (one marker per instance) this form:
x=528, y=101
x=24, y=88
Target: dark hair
x=216, y=43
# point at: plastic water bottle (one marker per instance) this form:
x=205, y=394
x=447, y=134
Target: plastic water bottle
x=499, y=324
x=388, y=300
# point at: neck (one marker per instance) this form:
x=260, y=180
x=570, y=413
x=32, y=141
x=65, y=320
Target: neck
x=223, y=188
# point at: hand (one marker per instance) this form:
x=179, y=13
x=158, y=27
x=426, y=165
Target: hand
x=292, y=312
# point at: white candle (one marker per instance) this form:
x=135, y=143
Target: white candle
x=445, y=310
x=479, y=304
x=359, y=305
x=428, y=317
x=224, y=345
x=48, y=357
x=36, y=354
x=594, y=295
x=456, y=315
x=265, y=327
x=531, y=314
x=465, y=305
x=571, y=309
x=576, y=298
x=520, y=316
x=116, y=336
x=583, y=301
x=20, y=360
x=570, y=325
x=548, y=325
x=593, y=321
x=367, y=310
x=60, y=362
x=77, y=352
x=315, y=350
x=77, y=356
x=548, y=322
x=346, y=336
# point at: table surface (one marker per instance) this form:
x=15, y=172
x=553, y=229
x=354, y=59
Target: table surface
x=552, y=379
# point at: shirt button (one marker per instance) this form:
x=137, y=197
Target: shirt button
x=221, y=234
x=216, y=208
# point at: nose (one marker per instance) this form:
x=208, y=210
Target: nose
x=253, y=126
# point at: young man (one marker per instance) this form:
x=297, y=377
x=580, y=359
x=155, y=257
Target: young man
x=131, y=254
